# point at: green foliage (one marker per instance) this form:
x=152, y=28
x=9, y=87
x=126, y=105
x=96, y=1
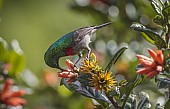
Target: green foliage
x=131, y=102
x=150, y=35
x=161, y=41
x=115, y=58
x=156, y=6
x=125, y=91
x=159, y=20
x=3, y=50
x=167, y=105
x=86, y=91
x=9, y=56
x=144, y=102
x=163, y=80
x=17, y=62
x=166, y=11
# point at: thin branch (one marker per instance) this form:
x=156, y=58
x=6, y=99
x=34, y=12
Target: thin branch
x=113, y=101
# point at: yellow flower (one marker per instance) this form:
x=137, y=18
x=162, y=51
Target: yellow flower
x=103, y=81
x=90, y=65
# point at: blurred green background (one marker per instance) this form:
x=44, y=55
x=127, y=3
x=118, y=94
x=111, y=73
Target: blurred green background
x=36, y=24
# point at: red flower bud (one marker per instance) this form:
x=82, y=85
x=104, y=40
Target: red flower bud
x=152, y=73
x=9, y=97
x=144, y=70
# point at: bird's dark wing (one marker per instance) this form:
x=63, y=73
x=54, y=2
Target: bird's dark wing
x=80, y=33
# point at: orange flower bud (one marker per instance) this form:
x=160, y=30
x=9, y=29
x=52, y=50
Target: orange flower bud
x=18, y=93
x=67, y=74
x=15, y=101
x=70, y=64
x=8, y=85
x=152, y=73
x=8, y=97
x=144, y=70
x=148, y=63
x=160, y=58
x=152, y=54
x=143, y=57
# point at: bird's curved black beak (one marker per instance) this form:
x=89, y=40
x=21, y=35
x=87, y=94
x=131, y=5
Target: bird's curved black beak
x=102, y=25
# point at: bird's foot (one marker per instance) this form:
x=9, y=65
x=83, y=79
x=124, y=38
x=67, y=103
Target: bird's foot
x=88, y=57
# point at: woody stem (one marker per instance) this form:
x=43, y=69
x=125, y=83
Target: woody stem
x=113, y=101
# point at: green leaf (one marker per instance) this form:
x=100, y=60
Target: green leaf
x=131, y=102
x=159, y=20
x=4, y=52
x=100, y=105
x=166, y=53
x=166, y=3
x=115, y=58
x=156, y=6
x=144, y=102
x=123, y=83
x=151, y=36
x=166, y=11
x=167, y=105
x=17, y=62
x=162, y=81
x=167, y=67
x=86, y=91
x=141, y=28
x=126, y=91
x=12, y=57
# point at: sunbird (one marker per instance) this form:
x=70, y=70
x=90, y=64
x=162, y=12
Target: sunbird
x=71, y=44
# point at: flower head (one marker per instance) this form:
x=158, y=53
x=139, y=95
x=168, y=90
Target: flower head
x=90, y=64
x=151, y=66
x=103, y=81
x=69, y=73
x=9, y=97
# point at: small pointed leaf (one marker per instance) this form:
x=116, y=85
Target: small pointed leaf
x=123, y=83
x=115, y=58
